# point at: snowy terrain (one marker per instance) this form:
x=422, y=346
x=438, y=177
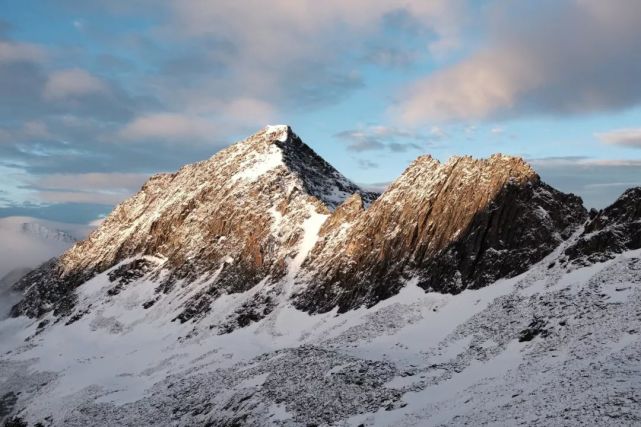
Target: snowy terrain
x=555, y=346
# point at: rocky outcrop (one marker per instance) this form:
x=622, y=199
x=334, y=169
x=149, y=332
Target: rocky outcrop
x=230, y=221
x=452, y=226
x=610, y=231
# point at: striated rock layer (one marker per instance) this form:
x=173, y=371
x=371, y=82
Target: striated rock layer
x=452, y=226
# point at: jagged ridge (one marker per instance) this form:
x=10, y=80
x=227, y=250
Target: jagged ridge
x=452, y=226
x=610, y=231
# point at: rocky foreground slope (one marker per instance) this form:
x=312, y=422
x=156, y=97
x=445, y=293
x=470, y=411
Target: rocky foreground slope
x=261, y=287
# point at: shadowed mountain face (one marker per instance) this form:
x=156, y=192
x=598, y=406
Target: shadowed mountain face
x=610, y=231
x=270, y=211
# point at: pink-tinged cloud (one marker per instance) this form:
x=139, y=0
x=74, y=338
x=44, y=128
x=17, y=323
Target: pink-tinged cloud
x=622, y=137
x=72, y=83
x=20, y=52
x=541, y=58
x=169, y=127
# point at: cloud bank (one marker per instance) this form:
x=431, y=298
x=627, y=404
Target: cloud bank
x=541, y=58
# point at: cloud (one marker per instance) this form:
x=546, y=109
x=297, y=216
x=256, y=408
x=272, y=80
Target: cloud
x=72, y=83
x=168, y=127
x=360, y=141
x=391, y=56
x=291, y=55
x=30, y=130
x=20, y=52
x=548, y=57
x=366, y=164
x=622, y=137
x=582, y=161
x=598, y=181
x=384, y=137
x=95, y=188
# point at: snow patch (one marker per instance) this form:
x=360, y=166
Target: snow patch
x=278, y=132
x=258, y=165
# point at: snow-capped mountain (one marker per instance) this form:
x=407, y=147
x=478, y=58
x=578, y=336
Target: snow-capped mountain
x=261, y=287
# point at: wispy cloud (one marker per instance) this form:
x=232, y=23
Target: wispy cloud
x=168, y=127
x=386, y=138
x=623, y=137
x=20, y=52
x=100, y=188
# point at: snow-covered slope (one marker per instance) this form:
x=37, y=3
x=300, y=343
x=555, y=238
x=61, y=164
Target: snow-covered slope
x=181, y=308
x=548, y=347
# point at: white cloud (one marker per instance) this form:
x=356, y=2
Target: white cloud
x=169, y=127
x=622, y=137
x=72, y=83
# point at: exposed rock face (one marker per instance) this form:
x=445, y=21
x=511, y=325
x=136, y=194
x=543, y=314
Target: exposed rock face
x=611, y=231
x=231, y=221
x=458, y=225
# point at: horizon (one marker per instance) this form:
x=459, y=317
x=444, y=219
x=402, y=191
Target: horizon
x=100, y=96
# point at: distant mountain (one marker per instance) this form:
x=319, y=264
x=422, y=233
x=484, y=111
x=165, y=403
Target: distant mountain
x=262, y=287
x=28, y=242
x=25, y=243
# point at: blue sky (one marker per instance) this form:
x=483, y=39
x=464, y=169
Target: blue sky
x=98, y=95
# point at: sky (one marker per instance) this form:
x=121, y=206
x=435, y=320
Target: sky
x=96, y=96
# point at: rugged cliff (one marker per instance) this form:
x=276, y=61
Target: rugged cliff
x=452, y=226
x=610, y=231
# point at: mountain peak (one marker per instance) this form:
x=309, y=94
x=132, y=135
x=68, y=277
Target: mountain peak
x=279, y=133
x=239, y=216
